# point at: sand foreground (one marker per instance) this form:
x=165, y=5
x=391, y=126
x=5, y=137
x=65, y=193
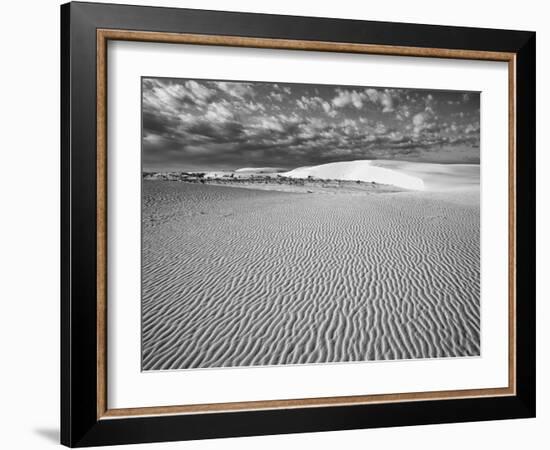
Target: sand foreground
x=241, y=277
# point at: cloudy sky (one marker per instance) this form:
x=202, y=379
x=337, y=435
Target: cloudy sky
x=191, y=124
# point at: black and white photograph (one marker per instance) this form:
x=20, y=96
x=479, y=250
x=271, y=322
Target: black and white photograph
x=292, y=224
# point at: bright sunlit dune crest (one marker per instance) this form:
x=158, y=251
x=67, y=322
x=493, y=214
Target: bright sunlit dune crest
x=359, y=171
x=404, y=174
x=437, y=176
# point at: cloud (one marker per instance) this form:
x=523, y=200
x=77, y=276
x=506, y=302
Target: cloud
x=380, y=128
x=158, y=123
x=346, y=97
x=472, y=128
x=231, y=124
x=237, y=90
x=382, y=98
x=199, y=92
x=328, y=109
x=222, y=132
x=217, y=112
x=310, y=102
x=403, y=113
x=386, y=101
x=168, y=96
x=396, y=136
x=254, y=106
x=424, y=120
x=270, y=124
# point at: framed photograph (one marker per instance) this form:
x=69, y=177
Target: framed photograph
x=276, y=224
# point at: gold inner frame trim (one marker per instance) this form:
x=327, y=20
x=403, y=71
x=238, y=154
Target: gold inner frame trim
x=103, y=36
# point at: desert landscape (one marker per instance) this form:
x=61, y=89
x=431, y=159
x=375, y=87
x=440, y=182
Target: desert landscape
x=295, y=223
x=348, y=261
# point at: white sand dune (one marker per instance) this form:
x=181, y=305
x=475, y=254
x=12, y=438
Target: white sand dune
x=408, y=175
x=438, y=177
x=237, y=277
x=359, y=171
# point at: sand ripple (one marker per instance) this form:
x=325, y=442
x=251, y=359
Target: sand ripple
x=236, y=277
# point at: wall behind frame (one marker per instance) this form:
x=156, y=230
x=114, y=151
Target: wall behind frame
x=29, y=228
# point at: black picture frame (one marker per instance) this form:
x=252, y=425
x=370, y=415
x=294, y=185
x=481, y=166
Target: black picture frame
x=80, y=425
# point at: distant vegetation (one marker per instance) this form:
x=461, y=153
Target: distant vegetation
x=272, y=181
x=230, y=178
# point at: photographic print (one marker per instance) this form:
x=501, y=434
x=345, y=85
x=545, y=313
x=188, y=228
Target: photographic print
x=289, y=224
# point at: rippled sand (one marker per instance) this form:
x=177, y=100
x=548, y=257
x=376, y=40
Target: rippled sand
x=240, y=277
